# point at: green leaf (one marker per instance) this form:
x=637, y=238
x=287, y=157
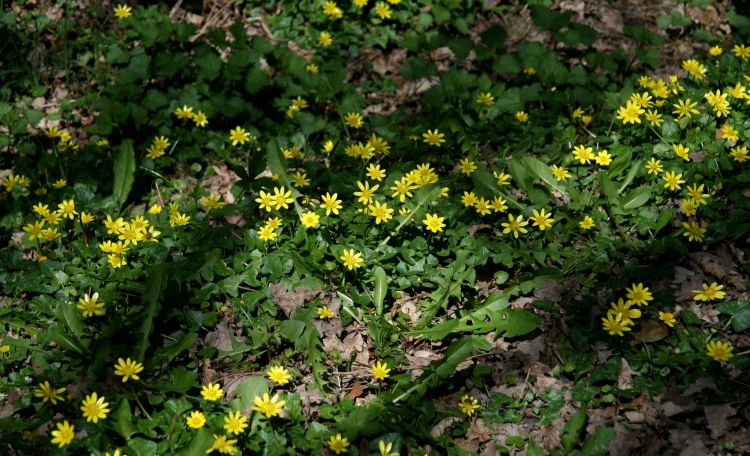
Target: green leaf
x=200, y=443
x=157, y=281
x=67, y=313
x=543, y=172
x=597, y=444
x=571, y=432
x=532, y=449
x=381, y=288
x=142, y=447
x=637, y=197
x=123, y=422
x=248, y=389
x=740, y=312
x=124, y=172
x=632, y=172
x=63, y=339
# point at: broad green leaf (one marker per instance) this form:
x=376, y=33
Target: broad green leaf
x=67, y=313
x=122, y=420
x=381, y=288
x=200, y=443
x=142, y=447
x=740, y=312
x=543, y=172
x=249, y=389
x=63, y=339
x=636, y=197
x=277, y=163
x=631, y=175
x=124, y=172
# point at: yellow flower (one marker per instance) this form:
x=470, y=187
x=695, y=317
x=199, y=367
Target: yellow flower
x=467, y=166
x=212, y=201
x=59, y=183
x=694, y=68
x=235, y=423
x=603, y=158
x=685, y=108
x=402, y=189
x=469, y=199
x=309, y=219
x=365, y=193
x=515, y=225
x=667, y=318
x=654, y=166
x=127, y=369
x=185, y=112
x=354, y=120
x=351, y=259
x=654, y=118
x=709, y=292
x=86, y=218
x=64, y=434
x=383, y=10
x=223, y=445
x=269, y=406
x=381, y=212
x=325, y=312
x=200, y=119
x=739, y=154
x=212, y=392
x=482, y=206
x=90, y=305
x=434, y=223
x=279, y=375
x=385, y=449
x=587, y=223
x=34, y=230
x=196, y=419
x=689, y=207
x=267, y=233
x=48, y=393
x=331, y=9
x=4, y=348
x=312, y=68
x=716, y=51
x=694, y=231
x=94, y=408
x=521, y=116
x=325, y=39
x=67, y=209
x=486, y=99
x=630, y=113
x=583, y=154
x=468, y=405
x=502, y=178
x=330, y=203
x=338, y=444
x=672, y=180
x=719, y=351
x=560, y=173
x=622, y=311
x=380, y=371
x=741, y=51
x=695, y=192
x=433, y=138
x=615, y=325
x=282, y=198
x=638, y=294
x=238, y=136
x=498, y=204
x=541, y=220
x=123, y=11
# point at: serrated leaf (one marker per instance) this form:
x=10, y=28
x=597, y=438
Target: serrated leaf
x=637, y=197
x=124, y=172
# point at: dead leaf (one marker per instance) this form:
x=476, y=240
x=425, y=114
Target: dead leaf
x=651, y=331
x=717, y=418
x=625, y=378
x=443, y=425
x=355, y=391
x=220, y=338
x=288, y=300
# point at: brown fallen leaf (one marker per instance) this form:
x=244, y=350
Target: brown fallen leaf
x=717, y=418
x=651, y=331
x=355, y=391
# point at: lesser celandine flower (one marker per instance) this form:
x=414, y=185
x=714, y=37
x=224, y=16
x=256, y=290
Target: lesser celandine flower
x=90, y=305
x=279, y=375
x=672, y=180
x=622, y=310
x=309, y=219
x=223, y=445
x=583, y=154
x=235, y=423
x=351, y=259
x=48, y=393
x=694, y=231
x=268, y=406
x=123, y=11
x=541, y=219
x=338, y=444
x=615, y=324
x=468, y=405
x=467, y=166
x=127, y=369
x=94, y=408
x=325, y=39
x=630, y=113
x=196, y=419
x=667, y=318
x=711, y=292
x=587, y=223
x=719, y=351
x=325, y=313
x=385, y=449
x=638, y=294
x=380, y=371
x=433, y=138
x=515, y=225
x=212, y=392
x=433, y=223
x=381, y=212
x=64, y=434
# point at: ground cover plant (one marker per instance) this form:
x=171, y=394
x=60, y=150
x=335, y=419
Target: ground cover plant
x=372, y=227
